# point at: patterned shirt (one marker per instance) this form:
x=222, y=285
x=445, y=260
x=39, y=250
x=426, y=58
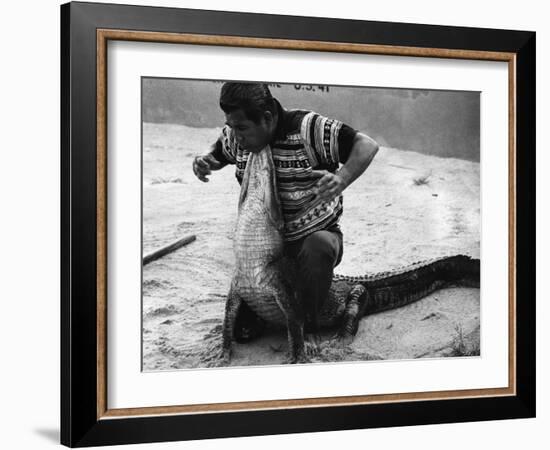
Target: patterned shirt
x=303, y=141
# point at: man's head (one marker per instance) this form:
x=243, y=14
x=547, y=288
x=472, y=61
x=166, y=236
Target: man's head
x=251, y=112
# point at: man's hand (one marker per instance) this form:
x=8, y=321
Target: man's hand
x=203, y=166
x=329, y=186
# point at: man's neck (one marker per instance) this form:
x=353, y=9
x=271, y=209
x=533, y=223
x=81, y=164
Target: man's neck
x=278, y=132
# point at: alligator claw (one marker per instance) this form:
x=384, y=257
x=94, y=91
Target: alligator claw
x=342, y=339
x=226, y=357
x=296, y=359
x=221, y=358
x=311, y=347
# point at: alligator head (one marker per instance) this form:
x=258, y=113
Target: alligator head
x=260, y=182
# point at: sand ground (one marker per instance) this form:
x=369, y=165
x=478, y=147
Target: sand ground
x=407, y=207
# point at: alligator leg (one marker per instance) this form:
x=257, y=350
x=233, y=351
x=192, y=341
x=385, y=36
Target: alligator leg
x=296, y=345
x=355, y=301
x=288, y=301
x=231, y=309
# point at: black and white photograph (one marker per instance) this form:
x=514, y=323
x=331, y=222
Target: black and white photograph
x=275, y=225
x=302, y=223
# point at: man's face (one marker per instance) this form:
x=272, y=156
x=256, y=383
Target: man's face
x=251, y=136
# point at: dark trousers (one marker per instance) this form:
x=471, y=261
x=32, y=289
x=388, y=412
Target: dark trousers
x=316, y=256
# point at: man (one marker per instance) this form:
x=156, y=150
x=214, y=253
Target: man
x=315, y=158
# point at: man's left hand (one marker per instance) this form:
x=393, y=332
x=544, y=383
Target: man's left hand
x=329, y=186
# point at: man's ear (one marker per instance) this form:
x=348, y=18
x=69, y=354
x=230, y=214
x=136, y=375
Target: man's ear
x=269, y=118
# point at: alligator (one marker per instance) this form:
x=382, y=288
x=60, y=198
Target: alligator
x=262, y=290
x=259, y=278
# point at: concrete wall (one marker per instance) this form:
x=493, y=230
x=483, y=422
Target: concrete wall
x=443, y=123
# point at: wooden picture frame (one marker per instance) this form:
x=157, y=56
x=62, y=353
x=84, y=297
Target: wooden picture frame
x=86, y=418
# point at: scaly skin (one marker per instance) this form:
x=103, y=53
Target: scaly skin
x=258, y=279
x=263, y=276
x=352, y=297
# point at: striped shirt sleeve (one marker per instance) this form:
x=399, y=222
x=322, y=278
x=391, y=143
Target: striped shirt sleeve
x=225, y=148
x=323, y=138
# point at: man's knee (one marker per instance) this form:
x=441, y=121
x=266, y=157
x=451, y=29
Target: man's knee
x=321, y=247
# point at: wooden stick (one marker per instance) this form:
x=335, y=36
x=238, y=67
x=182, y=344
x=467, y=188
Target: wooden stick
x=163, y=251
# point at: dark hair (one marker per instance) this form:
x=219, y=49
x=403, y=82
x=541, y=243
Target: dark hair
x=253, y=98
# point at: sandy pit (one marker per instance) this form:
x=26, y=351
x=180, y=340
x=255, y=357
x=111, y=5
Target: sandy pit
x=407, y=207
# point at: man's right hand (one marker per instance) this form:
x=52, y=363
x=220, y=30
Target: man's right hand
x=203, y=166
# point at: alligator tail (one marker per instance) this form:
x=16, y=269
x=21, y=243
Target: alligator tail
x=407, y=286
